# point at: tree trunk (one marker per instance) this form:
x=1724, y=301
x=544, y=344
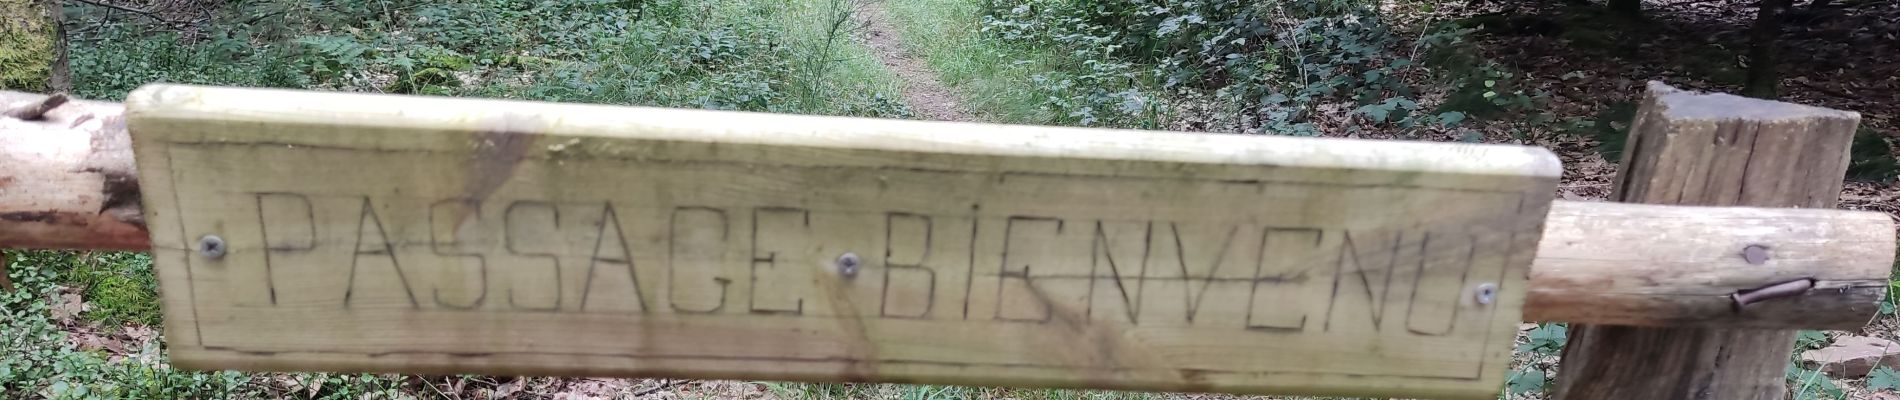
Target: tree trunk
x=1764, y=80
x=6, y=283
x=29, y=35
x=60, y=74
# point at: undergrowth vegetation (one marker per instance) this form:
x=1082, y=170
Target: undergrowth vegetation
x=1299, y=67
x=47, y=357
x=737, y=55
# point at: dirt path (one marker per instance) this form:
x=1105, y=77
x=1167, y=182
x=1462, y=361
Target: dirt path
x=925, y=94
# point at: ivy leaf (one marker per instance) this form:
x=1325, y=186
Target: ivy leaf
x=1883, y=378
x=1546, y=339
x=1805, y=384
x=1810, y=339
x=1550, y=333
x=1377, y=112
x=1526, y=381
x=1451, y=118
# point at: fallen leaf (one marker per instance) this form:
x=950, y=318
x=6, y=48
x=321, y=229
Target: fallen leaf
x=506, y=390
x=67, y=307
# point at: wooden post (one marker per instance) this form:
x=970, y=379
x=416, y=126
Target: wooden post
x=59, y=77
x=1714, y=150
x=6, y=283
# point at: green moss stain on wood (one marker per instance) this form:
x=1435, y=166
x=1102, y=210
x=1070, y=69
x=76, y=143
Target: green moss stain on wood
x=27, y=40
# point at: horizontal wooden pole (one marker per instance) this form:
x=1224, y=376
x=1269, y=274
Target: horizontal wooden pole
x=67, y=180
x=64, y=185
x=1651, y=265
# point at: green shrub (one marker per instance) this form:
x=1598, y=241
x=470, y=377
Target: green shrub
x=1871, y=158
x=1262, y=66
x=41, y=363
x=737, y=55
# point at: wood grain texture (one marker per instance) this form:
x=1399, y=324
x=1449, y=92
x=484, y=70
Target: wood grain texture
x=1598, y=263
x=430, y=235
x=66, y=179
x=1719, y=150
x=1653, y=265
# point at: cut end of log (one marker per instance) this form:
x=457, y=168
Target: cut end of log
x=1685, y=105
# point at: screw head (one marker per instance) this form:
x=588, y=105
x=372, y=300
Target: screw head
x=848, y=264
x=1755, y=254
x=1486, y=293
x=211, y=246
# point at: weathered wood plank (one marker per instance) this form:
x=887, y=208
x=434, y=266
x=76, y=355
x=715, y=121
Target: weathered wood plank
x=1597, y=262
x=382, y=233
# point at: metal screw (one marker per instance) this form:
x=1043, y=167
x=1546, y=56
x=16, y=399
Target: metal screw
x=1487, y=293
x=211, y=246
x=848, y=264
x=1755, y=254
x=1785, y=289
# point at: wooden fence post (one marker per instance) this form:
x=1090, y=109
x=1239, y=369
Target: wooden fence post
x=6, y=283
x=1713, y=150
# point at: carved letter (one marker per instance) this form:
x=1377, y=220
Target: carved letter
x=918, y=237
x=279, y=207
x=792, y=225
x=1444, y=263
x=699, y=252
x=1042, y=309
x=1362, y=277
x=460, y=208
x=601, y=241
x=377, y=246
x=511, y=221
x=1102, y=253
x=1282, y=279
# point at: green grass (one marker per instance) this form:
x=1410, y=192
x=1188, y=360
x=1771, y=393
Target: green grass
x=831, y=65
x=995, y=78
x=752, y=55
x=119, y=286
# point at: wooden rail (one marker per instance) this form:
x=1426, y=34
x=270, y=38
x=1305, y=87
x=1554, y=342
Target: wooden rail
x=66, y=183
x=273, y=172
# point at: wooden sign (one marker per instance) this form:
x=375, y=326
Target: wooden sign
x=351, y=232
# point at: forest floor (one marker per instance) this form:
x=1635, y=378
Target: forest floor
x=1841, y=57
